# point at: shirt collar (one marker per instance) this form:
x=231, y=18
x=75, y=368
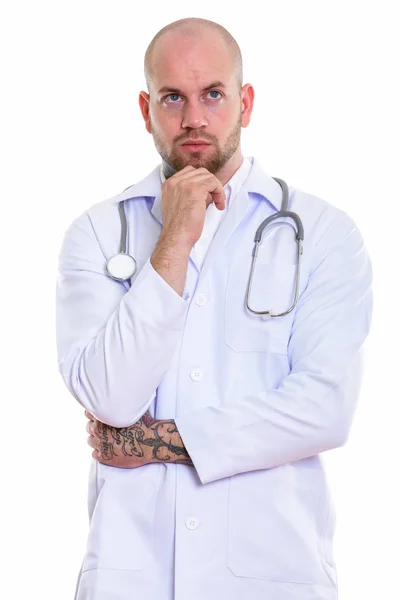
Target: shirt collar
x=257, y=182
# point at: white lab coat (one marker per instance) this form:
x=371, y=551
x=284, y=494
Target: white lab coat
x=256, y=401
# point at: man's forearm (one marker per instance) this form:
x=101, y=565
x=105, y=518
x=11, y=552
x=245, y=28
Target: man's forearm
x=147, y=441
x=170, y=259
x=167, y=445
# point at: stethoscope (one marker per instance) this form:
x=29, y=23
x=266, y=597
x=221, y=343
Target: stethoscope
x=122, y=266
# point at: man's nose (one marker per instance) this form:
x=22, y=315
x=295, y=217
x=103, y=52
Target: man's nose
x=194, y=115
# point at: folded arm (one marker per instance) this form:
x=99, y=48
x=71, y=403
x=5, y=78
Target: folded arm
x=149, y=440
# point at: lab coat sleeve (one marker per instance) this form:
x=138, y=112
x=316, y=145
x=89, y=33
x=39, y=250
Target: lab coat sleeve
x=114, y=345
x=312, y=409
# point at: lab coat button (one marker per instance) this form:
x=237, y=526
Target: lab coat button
x=196, y=374
x=201, y=299
x=192, y=522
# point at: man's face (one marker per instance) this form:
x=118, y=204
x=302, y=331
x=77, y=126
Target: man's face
x=194, y=96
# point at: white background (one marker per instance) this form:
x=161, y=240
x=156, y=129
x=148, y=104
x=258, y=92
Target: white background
x=325, y=120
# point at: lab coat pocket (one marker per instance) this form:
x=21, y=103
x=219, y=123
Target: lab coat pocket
x=122, y=522
x=276, y=525
x=272, y=289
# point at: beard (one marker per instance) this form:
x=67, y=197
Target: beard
x=212, y=161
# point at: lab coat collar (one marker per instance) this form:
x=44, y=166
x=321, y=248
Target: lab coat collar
x=258, y=182
x=261, y=183
x=148, y=187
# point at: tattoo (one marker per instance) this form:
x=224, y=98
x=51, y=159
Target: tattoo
x=161, y=436
x=130, y=441
x=128, y=438
x=147, y=419
x=160, y=441
x=107, y=450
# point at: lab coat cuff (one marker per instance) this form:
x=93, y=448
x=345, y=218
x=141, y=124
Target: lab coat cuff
x=206, y=454
x=155, y=300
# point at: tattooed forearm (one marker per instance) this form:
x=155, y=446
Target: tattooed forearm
x=106, y=446
x=114, y=437
x=147, y=440
x=147, y=419
x=167, y=444
x=161, y=438
x=129, y=442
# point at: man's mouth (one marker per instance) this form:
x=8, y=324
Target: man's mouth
x=195, y=145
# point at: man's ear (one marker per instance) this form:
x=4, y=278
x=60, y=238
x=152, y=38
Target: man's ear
x=247, y=101
x=144, y=103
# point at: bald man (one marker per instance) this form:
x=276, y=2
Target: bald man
x=208, y=407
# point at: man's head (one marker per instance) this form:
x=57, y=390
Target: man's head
x=193, y=70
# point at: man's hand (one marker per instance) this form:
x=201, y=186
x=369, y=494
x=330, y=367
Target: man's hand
x=146, y=441
x=184, y=199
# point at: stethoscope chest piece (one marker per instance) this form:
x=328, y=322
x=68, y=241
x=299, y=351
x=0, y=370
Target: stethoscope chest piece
x=121, y=266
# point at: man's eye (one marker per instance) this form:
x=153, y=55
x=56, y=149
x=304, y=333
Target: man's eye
x=214, y=92
x=173, y=97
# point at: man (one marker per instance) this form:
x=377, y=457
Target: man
x=207, y=417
